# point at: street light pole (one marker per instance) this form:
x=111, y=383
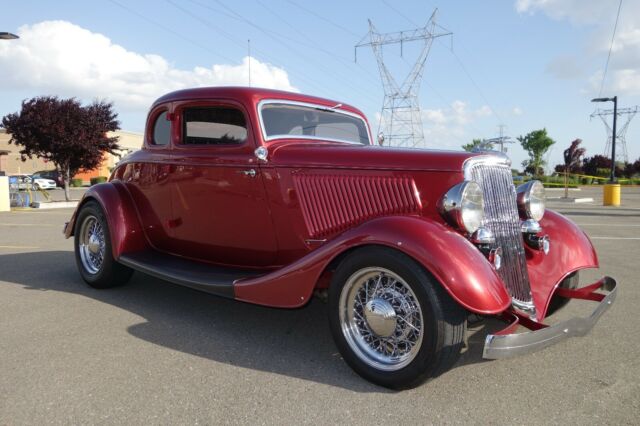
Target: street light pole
x=612, y=179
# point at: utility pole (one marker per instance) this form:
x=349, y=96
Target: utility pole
x=401, y=121
x=500, y=140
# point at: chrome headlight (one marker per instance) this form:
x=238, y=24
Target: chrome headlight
x=463, y=206
x=531, y=200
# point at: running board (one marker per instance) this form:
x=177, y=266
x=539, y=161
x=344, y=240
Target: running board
x=205, y=277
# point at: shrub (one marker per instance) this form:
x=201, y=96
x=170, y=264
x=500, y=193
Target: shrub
x=586, y=180
x=76, y=182
x=97, y=180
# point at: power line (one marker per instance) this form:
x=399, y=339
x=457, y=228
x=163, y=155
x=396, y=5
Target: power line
x=239, y=43
x=175, y=33
x=468, y=74
x=277, y=37
x=314, y=44
x=409, y=20
x=606, y=66
x=346, y=30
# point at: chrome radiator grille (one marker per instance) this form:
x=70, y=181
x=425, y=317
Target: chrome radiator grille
x=501, y=218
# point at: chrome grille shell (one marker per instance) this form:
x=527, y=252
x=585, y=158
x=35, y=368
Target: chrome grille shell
x=493, y=174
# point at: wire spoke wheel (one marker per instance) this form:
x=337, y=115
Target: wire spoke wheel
x=381, y=318
x=91, y=244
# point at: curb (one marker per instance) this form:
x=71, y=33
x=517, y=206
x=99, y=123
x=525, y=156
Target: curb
x=54, y=204
x=572, y=200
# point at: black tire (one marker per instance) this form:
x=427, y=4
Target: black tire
x=557, y=302
x=443, y=320
x=110, y=273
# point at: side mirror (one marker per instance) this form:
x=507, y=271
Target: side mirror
x=381, y=139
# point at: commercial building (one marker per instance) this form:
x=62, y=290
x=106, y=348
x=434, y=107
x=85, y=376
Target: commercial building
x=11, y=164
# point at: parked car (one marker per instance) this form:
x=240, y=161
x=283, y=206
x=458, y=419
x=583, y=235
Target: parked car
x=54, y=175
x=42, y=183
x=268, y=197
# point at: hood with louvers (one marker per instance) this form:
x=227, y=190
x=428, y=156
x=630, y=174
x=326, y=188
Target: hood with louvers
x=333, y=203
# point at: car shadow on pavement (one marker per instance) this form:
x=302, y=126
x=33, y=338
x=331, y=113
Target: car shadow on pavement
x=295, y=343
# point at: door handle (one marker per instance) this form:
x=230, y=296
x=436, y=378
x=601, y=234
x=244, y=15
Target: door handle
x=251, y=172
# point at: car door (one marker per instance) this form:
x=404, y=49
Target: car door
x=148, y=179
x=220, y=206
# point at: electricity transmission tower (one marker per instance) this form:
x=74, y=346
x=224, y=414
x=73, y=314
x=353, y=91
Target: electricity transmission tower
x=621, y=133
x=500, y=140
x=401, y=121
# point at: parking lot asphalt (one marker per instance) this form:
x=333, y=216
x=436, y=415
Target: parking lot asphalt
x=152, y=352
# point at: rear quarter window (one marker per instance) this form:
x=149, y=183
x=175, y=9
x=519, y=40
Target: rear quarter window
x=161, y=130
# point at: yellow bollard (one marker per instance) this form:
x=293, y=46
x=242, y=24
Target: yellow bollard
x=611, y=194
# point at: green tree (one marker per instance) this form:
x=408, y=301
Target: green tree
x=536, y=143
x=478, y=143
x=70, y=135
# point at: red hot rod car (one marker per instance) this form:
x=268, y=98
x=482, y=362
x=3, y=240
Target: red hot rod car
x=267, y=197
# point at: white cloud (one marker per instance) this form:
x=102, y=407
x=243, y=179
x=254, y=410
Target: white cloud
x=517, y=111
x=622, y=75
x=58, y=57
x=577, y=11
x=447, y=127
x=457, y=113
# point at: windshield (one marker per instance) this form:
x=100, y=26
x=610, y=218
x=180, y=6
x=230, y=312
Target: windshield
x=282, y=120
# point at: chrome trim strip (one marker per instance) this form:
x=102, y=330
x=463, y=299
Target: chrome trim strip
x=309, y=105
x=493, y=159
x=506, y=346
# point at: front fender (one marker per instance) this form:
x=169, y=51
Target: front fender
x=459, y=266
x=124, y=226
x=570, y=251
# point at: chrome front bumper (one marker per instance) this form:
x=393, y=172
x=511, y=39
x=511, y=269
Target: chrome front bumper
x=507, y=345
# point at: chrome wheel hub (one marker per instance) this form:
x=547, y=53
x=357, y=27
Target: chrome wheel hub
x=91, y=245
x=94, y=244
x=381, y=318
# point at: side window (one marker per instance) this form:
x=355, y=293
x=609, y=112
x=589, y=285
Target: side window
x=161, y=130
x=213, y=126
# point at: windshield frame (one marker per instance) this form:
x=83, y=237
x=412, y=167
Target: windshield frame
x=267, y=138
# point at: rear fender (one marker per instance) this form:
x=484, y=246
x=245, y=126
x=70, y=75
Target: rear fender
x=458, y=265
x=124, y=226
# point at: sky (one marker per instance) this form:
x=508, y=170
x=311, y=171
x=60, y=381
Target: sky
x=524, y=64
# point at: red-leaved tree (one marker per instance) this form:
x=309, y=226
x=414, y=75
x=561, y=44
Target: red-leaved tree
x=573, y=157
x=62, y=131
x=572, y=162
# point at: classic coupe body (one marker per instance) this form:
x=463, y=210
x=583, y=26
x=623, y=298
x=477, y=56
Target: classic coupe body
x=270, y=197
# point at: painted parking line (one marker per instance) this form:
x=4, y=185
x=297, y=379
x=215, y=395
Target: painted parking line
x=608, y=224
x=18, y=247
x=30, y=224
x=615, y=238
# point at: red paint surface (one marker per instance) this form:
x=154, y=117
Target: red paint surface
x=194, y=201
x=472, y=282
x=331, y=203
x=124, y=226
x=570, y=250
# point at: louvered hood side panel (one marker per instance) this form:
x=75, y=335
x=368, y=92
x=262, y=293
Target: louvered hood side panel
x=333, y=203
